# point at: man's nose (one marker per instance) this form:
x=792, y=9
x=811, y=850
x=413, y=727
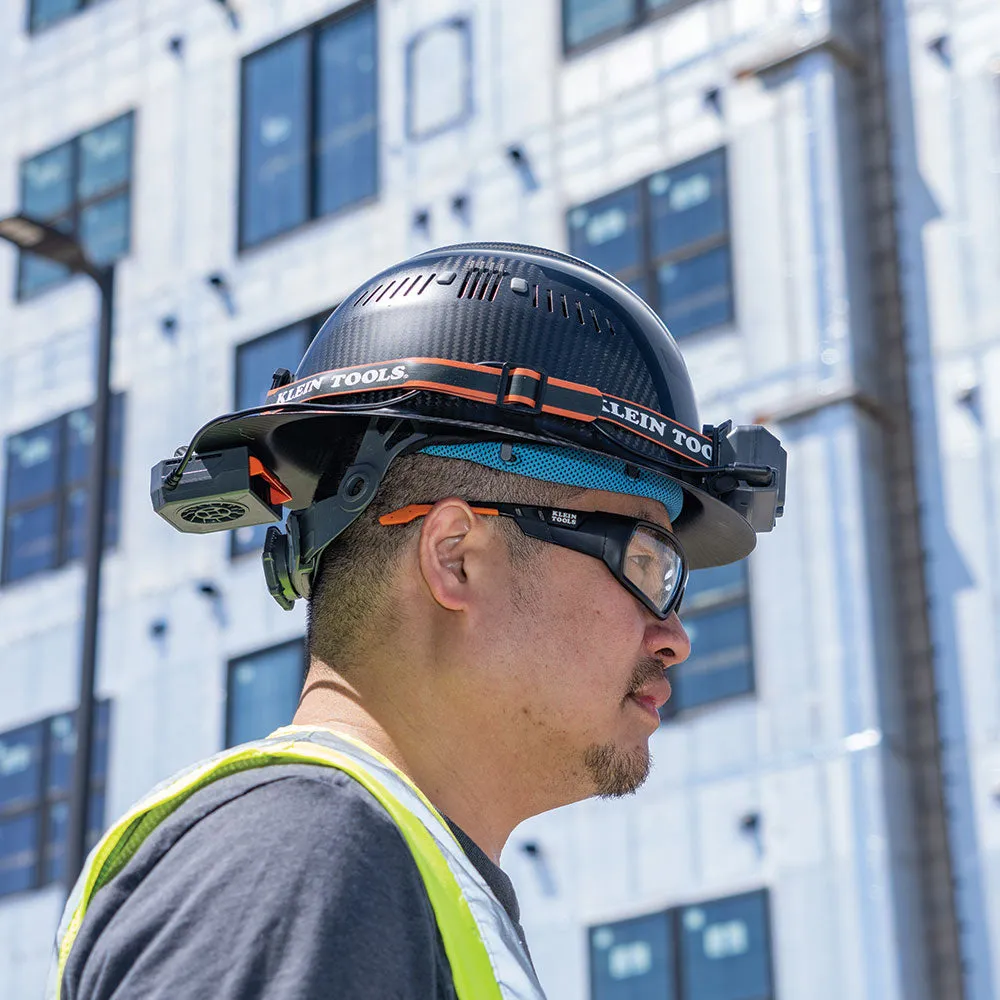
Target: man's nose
x=668, y=640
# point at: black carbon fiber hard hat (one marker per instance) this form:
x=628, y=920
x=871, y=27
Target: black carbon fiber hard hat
x=496, y=341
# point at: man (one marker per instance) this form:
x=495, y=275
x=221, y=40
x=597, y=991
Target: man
x=497, y=491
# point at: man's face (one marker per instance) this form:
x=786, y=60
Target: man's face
x=585, y=660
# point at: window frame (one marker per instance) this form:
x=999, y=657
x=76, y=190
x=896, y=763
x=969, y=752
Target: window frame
x=675, y=934
x=77, y=205
x=234, y=661
x=60, y=494
x=314, y=31
x=650, y=262
x=459, y=22
x=44, y=798
x=30, y=27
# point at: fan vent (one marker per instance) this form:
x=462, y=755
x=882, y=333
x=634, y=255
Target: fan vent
x=401, y=287
x=214, y=512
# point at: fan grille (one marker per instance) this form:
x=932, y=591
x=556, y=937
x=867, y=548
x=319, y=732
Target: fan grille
x=214, y=512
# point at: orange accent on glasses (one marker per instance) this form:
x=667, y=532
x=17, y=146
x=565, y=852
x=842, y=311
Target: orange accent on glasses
x=410, y=513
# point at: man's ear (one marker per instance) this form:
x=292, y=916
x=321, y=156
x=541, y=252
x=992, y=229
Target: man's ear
x=450, y=538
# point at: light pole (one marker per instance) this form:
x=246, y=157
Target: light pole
x=38, y=238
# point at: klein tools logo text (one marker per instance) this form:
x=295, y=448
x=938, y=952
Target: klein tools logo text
x=680, y=438
x=341, y=381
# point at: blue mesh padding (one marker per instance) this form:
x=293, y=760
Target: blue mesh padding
x=569, y=467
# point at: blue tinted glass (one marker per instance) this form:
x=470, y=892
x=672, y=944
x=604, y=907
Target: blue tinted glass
x=33, y=463
x=725, y=950
x=275, y=139
x=35, y=274
x=80, y=438
x=105, y=157
x=62, y=749
x=608, y=232
x=696, y=293
x=688, y=203
x=720, y=664
x=104, y=229
x=18, y=853
x=719, y=583
x=347, y=113
x=75, y=520
x=20, y=767
x=263, y=692
x=586, y=19
x=632, y=960
x=257, y=360
x=29, y=542
x=47, y=183
x=46, y=12
x=58, y=830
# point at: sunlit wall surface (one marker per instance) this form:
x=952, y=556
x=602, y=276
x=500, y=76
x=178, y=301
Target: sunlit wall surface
x=248, y=168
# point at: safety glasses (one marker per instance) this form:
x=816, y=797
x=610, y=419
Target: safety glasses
x=646, y=559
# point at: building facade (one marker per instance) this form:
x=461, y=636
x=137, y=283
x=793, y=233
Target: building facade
x=807, y=192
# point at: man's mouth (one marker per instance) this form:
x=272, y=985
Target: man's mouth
x=650, y=701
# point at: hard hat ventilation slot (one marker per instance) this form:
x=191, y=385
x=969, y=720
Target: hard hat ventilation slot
x=386, y=289
x=579, y=314
x=479, y=283
x=565, y=307
x=367, y=296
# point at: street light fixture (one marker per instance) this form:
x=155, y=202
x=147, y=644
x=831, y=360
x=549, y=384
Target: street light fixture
x=32, y=236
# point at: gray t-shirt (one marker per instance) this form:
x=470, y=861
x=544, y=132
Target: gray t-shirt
x=289, y=881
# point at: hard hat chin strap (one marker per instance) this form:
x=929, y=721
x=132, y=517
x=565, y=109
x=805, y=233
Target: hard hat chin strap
x=291, y=557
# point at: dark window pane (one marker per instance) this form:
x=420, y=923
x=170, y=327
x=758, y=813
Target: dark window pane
x=47, y=183
x=105, y=157
x=696, y=293
x=632, y=960
x=75, y=520
x=20, y=767
x=58, y=830
x=35, y=274
x=688, y=203
x=720, y=664
x=30, y=542
x=275, y=196
x=104, y=229
x=18, y=853
x=608, y=232
x=62, y=749
x=46, y=12
x=263, y=691
x=33, y=463
x=80, y=438
x=257, y=360
x=710, y=586
x=725, y=949
x=586, y=19
x=347, y=116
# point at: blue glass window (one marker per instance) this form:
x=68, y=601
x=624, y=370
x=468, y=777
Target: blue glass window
x=717, y=950
x=726, y=950
x=633, y=959
x=256, y=362
x=310, y=125
x=45, y=12
x=587, y=23
x=716, y=614
x=668, y=239
x=84, y=188
x=45, y=518
x=263, y=691
x=36, y=768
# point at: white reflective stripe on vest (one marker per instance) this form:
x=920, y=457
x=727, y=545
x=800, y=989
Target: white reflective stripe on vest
x=511, y=965
x=509, y=962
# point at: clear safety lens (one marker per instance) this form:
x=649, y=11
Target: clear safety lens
x=653, y=565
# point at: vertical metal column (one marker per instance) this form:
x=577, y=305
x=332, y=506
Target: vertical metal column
x=76, y=847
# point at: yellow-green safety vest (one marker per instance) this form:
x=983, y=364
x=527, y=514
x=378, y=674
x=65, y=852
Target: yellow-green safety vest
x=488, y=961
